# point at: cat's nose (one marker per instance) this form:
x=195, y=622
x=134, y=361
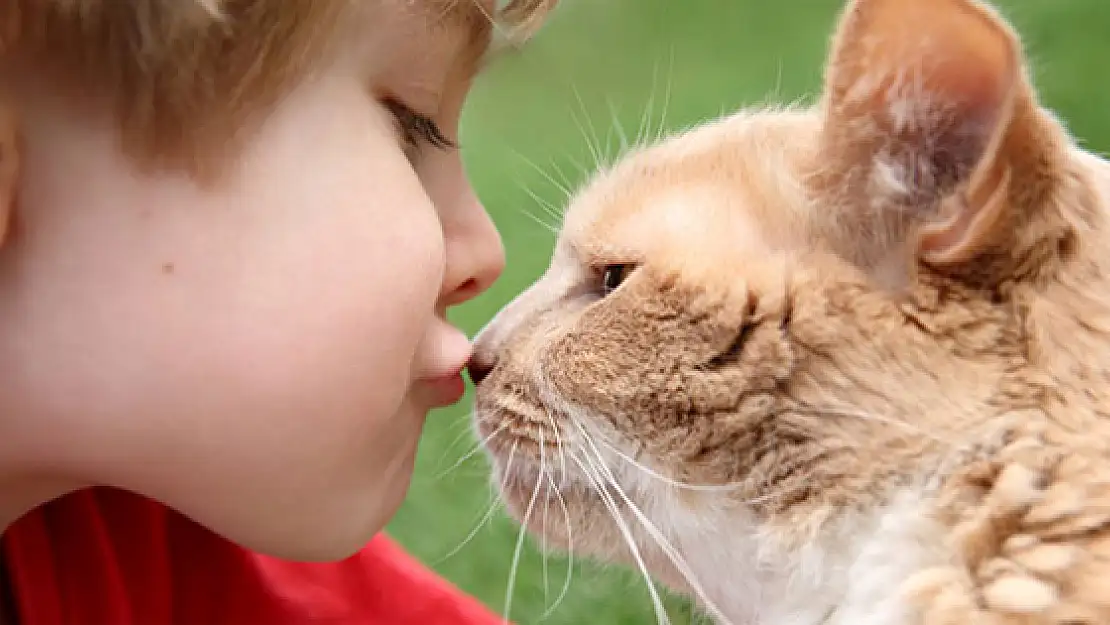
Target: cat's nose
x=479, y=367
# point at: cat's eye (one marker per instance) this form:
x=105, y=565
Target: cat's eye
x=613, y=276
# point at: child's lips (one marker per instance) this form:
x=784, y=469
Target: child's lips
x=446, y=390
x=442, y=378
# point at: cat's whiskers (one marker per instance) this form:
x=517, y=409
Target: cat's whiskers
x=477, y=448
x=669, y=550
x=570, y=547
x=554, y=489
x=518, y=551
x=713, y=488
x=465, y=427
x=543, y=538
x=492, y=507
x=599, y=439
x=595, y=483
x=598, y=486
x=494, y=501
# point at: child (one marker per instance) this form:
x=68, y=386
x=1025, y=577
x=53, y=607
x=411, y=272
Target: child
x=233, y=229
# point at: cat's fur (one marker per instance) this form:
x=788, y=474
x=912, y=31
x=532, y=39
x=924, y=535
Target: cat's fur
x=860, y=371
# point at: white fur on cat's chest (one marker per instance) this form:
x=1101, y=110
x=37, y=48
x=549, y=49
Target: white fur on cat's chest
x=850, y=577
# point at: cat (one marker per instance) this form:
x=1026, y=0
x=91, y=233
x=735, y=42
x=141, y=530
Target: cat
x=846, y=364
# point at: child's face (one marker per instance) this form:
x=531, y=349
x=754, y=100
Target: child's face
x=261, y=354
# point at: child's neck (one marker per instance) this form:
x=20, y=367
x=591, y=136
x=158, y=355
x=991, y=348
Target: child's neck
x=19, y=495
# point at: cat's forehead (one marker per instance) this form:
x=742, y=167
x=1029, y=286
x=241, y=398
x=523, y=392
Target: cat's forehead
x=732, y=185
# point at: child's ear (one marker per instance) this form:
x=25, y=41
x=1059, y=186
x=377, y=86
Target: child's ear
x=10, y=154
x=920, y=98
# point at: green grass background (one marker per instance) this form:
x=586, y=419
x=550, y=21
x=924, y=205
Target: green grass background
x=602, y=62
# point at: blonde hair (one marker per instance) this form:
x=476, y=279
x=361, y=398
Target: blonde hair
x=184, y=77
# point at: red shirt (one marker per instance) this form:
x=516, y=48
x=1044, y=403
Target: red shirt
x=106, y=557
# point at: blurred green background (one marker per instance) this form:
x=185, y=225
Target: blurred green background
x=640, y=64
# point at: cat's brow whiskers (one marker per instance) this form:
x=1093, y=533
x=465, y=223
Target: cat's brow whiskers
x=563, y=187
x=593, y=142
x=579, y=168
x=566, y=185
x=595, y=483
x=489, y=511
x=542, y=223
x=666, y=99
x=594, y=151
x=547, y=208
x=514, y=567
x=668, y=549
x=617, y=126
x=649, y=107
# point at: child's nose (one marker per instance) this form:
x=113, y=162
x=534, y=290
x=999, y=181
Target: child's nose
x=475, y=257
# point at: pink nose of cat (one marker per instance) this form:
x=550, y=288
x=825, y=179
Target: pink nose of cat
x=479, y=368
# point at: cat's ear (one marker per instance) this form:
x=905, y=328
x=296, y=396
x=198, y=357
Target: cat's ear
x=919, y=97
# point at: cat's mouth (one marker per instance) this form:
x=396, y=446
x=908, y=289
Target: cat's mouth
x=533, y=452
x=532, y=434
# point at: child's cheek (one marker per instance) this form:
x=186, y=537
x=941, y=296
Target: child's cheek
x=315, y=362
x=244, y=355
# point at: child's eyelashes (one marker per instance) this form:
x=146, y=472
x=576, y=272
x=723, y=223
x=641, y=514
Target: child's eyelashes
x=417, y=130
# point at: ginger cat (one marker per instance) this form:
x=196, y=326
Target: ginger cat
x=845, y=365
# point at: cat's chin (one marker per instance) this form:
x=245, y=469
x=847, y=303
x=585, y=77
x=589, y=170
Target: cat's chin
x=549, y=503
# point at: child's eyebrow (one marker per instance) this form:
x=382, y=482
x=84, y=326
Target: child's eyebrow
x=515, y=20
x=475, y=19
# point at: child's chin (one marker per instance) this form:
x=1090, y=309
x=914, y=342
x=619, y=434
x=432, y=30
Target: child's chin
x=317, y=531
x=328, y=544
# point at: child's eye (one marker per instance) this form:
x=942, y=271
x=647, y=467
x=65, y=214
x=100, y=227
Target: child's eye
x=417, y=130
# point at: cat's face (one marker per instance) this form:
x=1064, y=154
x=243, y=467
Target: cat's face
x=774, y=324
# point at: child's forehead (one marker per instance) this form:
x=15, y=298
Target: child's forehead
x=420, y=47
x=255, y=49
x=464, y=23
